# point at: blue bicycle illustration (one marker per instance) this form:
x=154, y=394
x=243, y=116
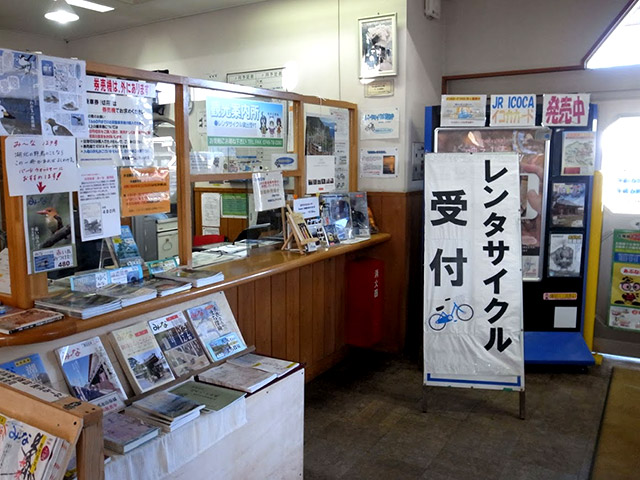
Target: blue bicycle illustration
x=438, y=321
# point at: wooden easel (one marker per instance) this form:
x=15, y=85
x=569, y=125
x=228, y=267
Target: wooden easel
x=298, y=233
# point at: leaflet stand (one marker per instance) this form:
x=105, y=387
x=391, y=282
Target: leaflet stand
x=298, y=233
x=79, y=423
x=105, y=253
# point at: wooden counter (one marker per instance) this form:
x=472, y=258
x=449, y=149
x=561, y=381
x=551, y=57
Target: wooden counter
x=288, y=305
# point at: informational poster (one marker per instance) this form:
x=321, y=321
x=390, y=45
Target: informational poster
x=624, y=302
x=120, y=126
x=284, y=161
x=144, y=190
x=340, y=117
x=234, y=205
x=210, y=208
x=63, y=97
x=206, y=162
x=578, y=153
x=532, y=144
x=513, y=110
x=567, y=205
x=463, y=110
x=19, y=99
x=565, y=254
x=472, y=287
x=268, y=191
x=49, y=232
x=565, y=109
x=99, y=202
x=37, y=164
x=379, y=162
x=5, y=272
x=309, y=207
x=321, y=173
x=379, y=123
x=244, y=123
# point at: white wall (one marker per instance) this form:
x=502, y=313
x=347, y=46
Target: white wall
x=27, y=41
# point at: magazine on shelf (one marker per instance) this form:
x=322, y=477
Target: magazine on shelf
x=167, y=406
x=359, y=214
x=128, y=293
x=217, y=328
x=164, y=265
x=179, y=342
x=165, y=425
x=30, y=367
x=123, y=433
x=90, y=374
x=213, y=397
x=266, y=364
x=141, y=358
x=25, y=319
x=197, y=278
x=164, y=286
x=335, y=210
x=246, y=379
x=79, y=304
x=123, y=248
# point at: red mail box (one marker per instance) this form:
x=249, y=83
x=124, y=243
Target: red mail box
x=365, y=290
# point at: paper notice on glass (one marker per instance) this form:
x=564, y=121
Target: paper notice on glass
x=207, y=162
x=120, y=131
x=268, y=191
x=578, y=153
x=321, y=173
x=144, y=190
x=309, y=207
x=5, y=274
x=382, y=162
x=63, y=97
x=210, y=206
x=379, y=123
x=99, y=203
x=19, y=99
x=38, y=164
x=463, y=110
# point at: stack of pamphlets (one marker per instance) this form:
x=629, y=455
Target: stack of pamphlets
x=123, y=433
x=164, y=286
x=165, y=410
x=90, y=374
x=129, y=293
x=30, y=367
x=123, y=248
x=197, y=278
x=266, y=364
x=26, y=452
x=24, y=319
x=213, y=398
x=79, y=304
x=245, y=379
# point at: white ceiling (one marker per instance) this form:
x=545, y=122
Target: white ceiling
x=28, y=15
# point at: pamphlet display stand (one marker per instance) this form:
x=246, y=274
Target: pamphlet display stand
x=298, y=233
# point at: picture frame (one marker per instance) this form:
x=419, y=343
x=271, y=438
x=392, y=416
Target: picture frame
x=377, y=46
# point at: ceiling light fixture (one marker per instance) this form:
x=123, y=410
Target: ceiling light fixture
x=96, y=7
x=61, y=12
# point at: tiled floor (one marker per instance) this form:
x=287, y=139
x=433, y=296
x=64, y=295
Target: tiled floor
x=363, y=421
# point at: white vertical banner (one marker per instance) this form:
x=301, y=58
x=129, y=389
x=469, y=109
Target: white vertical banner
x=473, y=274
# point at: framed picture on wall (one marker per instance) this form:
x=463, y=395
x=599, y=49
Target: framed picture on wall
x=378, y=46
x=533, y=146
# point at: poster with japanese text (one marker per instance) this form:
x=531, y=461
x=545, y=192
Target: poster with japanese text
x=49, y=232
x=472, y=274
x=379, y=162
x=235, y=122
x=567, y=204
x=144, y=190
x=320, y=174
x=19, y=100
x=463, y=110
x=234, y=205
x=565, y=255
x=565, y=109
x=63, y=97
x=533, y=146
x=37, y=164
x=268, y=191
x=513, y=110
x=379, y=123
x=99, y=202
x=624, y=302
x=578, y=153
x=120, y=130
x=340, y=117
x=210, y=208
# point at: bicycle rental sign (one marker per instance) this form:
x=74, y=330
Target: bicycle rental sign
x=473, y=271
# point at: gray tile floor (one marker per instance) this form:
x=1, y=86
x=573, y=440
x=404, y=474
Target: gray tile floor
x=363, y=421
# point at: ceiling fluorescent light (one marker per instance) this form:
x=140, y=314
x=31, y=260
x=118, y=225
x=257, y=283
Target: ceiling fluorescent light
x=96, y=7
x=61, y=12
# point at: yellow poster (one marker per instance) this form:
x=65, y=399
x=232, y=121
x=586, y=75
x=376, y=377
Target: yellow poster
x=144, y=191
x=624, y=309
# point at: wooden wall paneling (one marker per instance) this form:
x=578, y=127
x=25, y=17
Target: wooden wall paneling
x=306, y=314
x=185, y=207
x=293, y=315
x=279, y=296
x=232, y=298
x=415, y=290
x=263, y=315
x=318, y=304
x=247, y=312
x=330, y=306
x=197, y=208
x=340, y=301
